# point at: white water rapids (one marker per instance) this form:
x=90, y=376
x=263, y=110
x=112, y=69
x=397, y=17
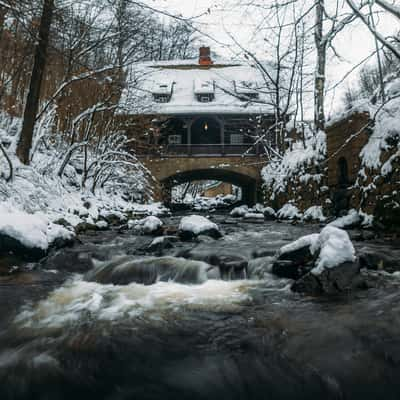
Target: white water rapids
x=78, y=299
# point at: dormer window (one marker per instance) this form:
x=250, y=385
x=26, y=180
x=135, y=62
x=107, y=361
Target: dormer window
x=246, y=90
x=162, y=92
x=205, y=98
x=204, y=91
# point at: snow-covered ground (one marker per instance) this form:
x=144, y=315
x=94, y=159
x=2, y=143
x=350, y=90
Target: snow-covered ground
x=37, y=197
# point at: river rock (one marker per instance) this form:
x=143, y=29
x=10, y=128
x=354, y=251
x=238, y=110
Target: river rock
x=11, y=246
x=269, y=213
x=294, y=263
x=377, y=260
x=83, y=227
x=238, y=212
x=195, y=225
x=232, y=267
x=147, y=271
x=69, y=260
x=148, y=226
x=254, y=217
x=102, y=225
x=258, y=267
x=205, y=239
x=161, y=243
x=329, y=281
x=289, y=269
x=61, y=242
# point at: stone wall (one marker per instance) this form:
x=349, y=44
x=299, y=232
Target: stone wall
x=345, y=183
x=345, y=140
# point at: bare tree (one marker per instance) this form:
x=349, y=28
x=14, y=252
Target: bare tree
x=32, y=102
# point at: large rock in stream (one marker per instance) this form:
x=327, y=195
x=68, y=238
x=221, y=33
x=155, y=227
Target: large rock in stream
x=147, y=271
x=330, y=281
x=297, y=258
x=195, y=225
x=322, y=263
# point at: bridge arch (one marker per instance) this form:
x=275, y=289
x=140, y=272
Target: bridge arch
x=244, y=172
x=247, y=183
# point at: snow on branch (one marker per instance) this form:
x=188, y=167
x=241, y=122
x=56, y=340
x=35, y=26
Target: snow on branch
x=372, y=29
x=393, y=9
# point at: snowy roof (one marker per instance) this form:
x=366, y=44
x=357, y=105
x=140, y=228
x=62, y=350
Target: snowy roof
x=229, y=82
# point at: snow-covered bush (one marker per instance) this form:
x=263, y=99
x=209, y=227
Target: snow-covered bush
x=300, y=162
x=38, y=188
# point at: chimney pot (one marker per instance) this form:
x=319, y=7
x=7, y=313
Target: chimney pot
x=205, y=56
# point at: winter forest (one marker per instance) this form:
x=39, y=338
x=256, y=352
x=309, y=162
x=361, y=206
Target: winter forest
x=199, y=199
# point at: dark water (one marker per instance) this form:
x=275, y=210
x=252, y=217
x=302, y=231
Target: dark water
x=64, y=336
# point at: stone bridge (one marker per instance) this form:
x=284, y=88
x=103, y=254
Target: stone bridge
x=242, y=171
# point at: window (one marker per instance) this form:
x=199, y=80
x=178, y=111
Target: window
x=246, y=90
x=249, y=96
x=161, y=98
x=174, y=139
x=205, y=98
x=236, y=139
x=343, y=171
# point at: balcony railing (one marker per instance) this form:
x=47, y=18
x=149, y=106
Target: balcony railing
x=185, y=150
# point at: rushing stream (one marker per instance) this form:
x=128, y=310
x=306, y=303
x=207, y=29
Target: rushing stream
x=161, y=327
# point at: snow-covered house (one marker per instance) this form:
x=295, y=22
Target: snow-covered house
x=197, y=106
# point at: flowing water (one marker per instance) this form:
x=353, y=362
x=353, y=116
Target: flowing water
x=107, y=320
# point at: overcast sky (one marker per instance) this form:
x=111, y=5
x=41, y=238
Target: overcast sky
x=354, y=44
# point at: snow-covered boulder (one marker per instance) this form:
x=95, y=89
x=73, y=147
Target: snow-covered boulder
x=335, y=269
x=321, y=263
x=289, y=211
x=349, y=221
x=269, y=213
x=238, y=212
x=149, y=226
x=102, y=225
x=254, y=216
x=29, y=236
x=297, y=258
x=314, y=213
x=195, y=225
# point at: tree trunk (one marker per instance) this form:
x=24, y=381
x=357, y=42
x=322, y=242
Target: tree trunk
x=3, y=13
x=32, y=101
x=320, y=44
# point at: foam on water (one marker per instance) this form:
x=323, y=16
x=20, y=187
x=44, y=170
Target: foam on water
x=79, y=299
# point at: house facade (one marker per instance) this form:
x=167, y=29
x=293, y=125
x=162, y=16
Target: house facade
x=196, y=107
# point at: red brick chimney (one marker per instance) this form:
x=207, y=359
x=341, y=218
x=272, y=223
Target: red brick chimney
x=205, y=56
